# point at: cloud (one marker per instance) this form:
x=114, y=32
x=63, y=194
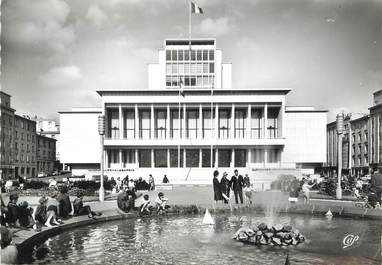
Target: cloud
x=61, y=75
x=216, y=27
x=37, y=25
x=96, y=15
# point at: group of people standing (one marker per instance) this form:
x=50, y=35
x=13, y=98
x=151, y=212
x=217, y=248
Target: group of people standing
x=236, y=184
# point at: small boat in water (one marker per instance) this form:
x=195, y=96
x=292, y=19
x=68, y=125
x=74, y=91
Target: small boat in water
x=208, y=220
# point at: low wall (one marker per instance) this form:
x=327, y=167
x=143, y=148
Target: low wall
x=27, y=239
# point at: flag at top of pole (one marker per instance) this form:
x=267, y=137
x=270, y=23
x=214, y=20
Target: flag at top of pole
x=195, y=9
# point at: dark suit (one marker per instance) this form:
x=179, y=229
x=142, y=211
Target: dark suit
x=225, y=185
x=237, y=184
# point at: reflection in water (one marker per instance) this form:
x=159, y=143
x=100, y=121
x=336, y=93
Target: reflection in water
x=185, y=240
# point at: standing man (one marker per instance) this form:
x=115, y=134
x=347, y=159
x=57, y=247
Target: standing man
x=225, y=187
x=237, y=184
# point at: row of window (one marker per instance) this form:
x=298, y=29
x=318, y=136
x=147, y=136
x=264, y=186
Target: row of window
x=189, y=68
x=190, y=81
x=192, y=125
x=359, y=138
x=192, y=157
x=190, y=55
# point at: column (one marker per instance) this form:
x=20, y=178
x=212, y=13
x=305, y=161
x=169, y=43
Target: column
x=249, y=117
x=216, y=158
x=265, y=117
x=136, y=122
x=136, y=157
x=232, y=164
x=184, y=158
x=281, y=152
x=120, y=122
x=168, y=122
x=282, y=113
x=152, y=158
x=217, y=121
x=120, y=159
x=168, y=158
x=249, y=157
x=200, y=158
x=184, y=134
x=152, y=129
x=265, y=157
x=232, y=129
x=200, y=122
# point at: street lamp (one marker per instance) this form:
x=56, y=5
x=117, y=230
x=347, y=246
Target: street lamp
x=101, y=132
x=340, y=129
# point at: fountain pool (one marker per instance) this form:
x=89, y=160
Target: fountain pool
x=185, y=240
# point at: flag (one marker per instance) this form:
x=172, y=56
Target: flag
x=195, y=9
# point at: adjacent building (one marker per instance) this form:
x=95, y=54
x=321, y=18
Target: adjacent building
x=25, y=147
x=361, y=148
x=19, y=155
x=46, y=154
x=7, y=141
x=49, y=128
x=190, y=121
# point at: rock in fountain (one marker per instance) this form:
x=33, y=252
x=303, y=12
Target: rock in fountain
x=262, y=234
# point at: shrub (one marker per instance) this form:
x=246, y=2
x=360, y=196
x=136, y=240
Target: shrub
x=35, y=184
x=283, y=182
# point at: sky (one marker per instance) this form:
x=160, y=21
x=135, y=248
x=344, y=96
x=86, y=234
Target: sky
x=55, y=54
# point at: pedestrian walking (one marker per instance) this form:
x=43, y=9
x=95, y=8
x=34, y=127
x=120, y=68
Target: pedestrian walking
x=225, y=187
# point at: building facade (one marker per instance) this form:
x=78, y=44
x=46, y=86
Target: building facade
x=191, y=121
x=7, y=140
x=361, y=147
x=25, y=147
x=51, y=129
x=46, y=154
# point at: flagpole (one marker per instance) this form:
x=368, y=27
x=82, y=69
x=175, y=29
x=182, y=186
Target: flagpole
x=189, y=24
x=180, y=133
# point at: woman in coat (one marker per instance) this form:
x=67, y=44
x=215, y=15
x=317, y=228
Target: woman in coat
x=217, y=188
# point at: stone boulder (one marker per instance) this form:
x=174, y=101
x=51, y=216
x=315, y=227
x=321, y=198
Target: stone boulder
x=287, y=228
x=277, y=228
x=276, y=241
x=262, y=226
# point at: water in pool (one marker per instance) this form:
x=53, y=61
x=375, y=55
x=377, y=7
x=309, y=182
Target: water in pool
x=185, y=240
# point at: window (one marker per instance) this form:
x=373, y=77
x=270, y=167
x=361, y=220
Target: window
x=224, y=157
x=174, y=54
x=160, y=157
x=192, y=124
x=256, y=116
x=192, y=158
x=224, y=121
x=144, y=124
x=211, y=68
x=186, y=55
x=272, y=156
x=174, y=158
x=176, y=123
x=206, y=158
x=207, y=124
x=160, y=124
x=257, y=156
x=205, y=55
x=113, y=121
x=168, y=80
x=180, y=55
x=168, y=69
x=240, y=123
x=211, y=55
x=168, y=55
x=129, y=124
x=144, y=158
x=193, y=55
x=240, y=157
x=113, y=158
x=272, y=122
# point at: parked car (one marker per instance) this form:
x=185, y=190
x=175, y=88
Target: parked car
x=42, y=175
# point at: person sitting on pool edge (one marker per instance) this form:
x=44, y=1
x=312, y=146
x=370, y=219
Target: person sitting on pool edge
x=126, y=200
x=81, y=209
x=161, y=203
x=145, y=208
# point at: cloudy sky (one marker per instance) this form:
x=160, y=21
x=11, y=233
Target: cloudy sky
x=56, y=53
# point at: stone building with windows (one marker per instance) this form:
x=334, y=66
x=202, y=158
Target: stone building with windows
x=190, y=121
x=46, y=154
x=25, y=147
x=7, y=141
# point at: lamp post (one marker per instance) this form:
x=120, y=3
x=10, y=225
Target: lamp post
x=340, y=129
x=101, y=132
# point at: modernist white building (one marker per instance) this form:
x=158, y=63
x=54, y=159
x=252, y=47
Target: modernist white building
x=190, y=121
